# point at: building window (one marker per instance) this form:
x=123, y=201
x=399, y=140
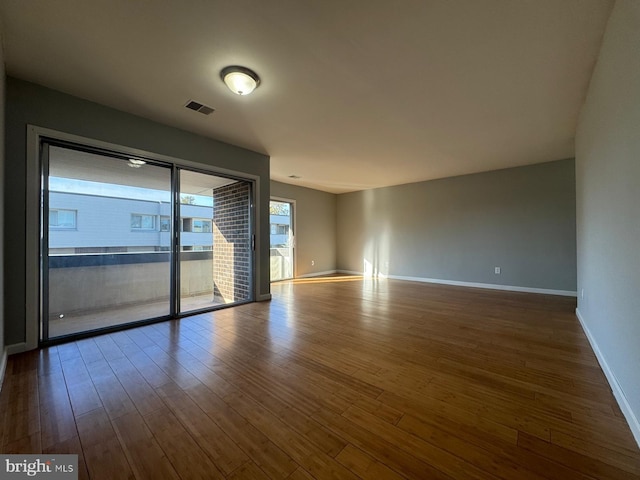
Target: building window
x=62, y=218
x=165, y=224
x=279, y=229
x=195, y=225
x=201, y=225
x=143, y=222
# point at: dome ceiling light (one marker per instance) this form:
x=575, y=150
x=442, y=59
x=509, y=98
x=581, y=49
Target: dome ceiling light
x=135, y=163
x=240, y=80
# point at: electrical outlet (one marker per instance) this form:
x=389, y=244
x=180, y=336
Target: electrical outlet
x=313, y=262
x=497, y=270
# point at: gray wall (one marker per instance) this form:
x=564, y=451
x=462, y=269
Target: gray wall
x=28, y=103
x=2, y=122
x=460, y=228
x=316, y=227
x=608, y=203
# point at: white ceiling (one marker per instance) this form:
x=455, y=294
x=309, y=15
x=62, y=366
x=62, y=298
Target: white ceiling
x=355, y=93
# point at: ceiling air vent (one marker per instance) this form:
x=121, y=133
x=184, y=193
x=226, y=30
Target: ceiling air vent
x=199, y=107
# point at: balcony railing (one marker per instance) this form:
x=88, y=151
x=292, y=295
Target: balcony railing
x=81, y=283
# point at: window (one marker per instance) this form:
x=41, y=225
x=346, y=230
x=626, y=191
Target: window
x=165, y=224
x=197, y=225
x=200, y=225
x=143, y=222
x=278, y=229
x=62, y=218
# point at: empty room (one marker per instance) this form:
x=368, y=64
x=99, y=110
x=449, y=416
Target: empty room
x=297, y=240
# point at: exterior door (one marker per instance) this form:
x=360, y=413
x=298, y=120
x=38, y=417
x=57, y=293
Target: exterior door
x=106, y=258
x=215, y=250
x=133, y=240
x=282, y=248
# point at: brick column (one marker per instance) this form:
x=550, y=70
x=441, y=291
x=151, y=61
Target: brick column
x=231, y=243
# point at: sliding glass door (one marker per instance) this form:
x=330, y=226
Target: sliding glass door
x=215, y=240
x=108, y=258
x=127, y=240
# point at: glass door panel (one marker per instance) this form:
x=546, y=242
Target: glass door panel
x=281, y=226
x=107, y=241
x=215, y=254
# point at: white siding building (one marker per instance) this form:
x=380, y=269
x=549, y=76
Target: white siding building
x=83, y=223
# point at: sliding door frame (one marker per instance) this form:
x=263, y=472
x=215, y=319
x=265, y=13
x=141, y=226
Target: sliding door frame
x=45, y=164
x=36, y=138
x=44, y=252
x=177, y=257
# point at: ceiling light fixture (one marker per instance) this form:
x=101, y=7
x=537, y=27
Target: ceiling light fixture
x=133, y=163
x=240, y=80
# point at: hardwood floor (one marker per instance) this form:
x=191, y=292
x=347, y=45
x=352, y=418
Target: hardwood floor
x=334, y=378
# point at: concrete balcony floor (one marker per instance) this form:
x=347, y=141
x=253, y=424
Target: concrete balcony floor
x=119, y=315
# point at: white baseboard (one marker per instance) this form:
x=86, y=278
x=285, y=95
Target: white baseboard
x=265, y=297
x=349, y=272
x=621, y=398
x=490, y=286
x=17, y=348
x=318, y=274
x=3, y=366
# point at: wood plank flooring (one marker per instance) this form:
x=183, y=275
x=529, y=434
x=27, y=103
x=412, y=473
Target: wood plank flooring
x=339, y=377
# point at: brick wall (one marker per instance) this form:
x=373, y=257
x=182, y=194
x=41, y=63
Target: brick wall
x=231, y=243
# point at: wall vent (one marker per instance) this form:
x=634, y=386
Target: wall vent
x=199, y=107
